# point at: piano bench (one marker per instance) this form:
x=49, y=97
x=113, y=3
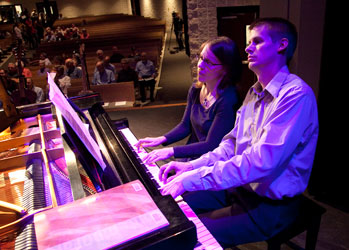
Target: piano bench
x=308, y=220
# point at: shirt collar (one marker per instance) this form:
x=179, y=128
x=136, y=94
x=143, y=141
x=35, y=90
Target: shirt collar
x=274, y=85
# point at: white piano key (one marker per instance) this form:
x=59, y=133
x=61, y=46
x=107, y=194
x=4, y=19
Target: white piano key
x=205, y=239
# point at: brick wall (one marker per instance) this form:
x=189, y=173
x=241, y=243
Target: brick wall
x=202, y=22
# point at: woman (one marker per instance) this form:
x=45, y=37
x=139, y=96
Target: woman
x=211, y=107
x=62, y=81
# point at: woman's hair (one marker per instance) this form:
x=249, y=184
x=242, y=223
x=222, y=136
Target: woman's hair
x=227, y=53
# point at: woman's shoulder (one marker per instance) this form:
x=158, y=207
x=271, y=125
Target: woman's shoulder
x=194, y=89
x=229, y=95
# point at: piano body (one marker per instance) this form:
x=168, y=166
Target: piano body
x=43, y=164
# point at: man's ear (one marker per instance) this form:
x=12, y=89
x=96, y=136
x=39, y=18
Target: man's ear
x=283, y=44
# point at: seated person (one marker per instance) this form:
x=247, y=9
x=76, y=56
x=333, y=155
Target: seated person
x=25, y=71
x=62, y=81
x=49, y=35
x=126, y=74
x=102, y=75
x=44, y=58
x=8, y=84
x=108, y=65
x=12, y=77
x=100, y=55
x=211, y=105
x=43, y=70
x=146, y=76
x=71, y=70
x=116, y=56
x=249, y=188
x=40, y=96
x=84, y=34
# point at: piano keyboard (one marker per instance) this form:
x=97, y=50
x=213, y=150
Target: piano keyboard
x=205, y=239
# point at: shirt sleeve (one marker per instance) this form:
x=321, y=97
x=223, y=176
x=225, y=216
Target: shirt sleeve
x=285, y=134
x=112, y=77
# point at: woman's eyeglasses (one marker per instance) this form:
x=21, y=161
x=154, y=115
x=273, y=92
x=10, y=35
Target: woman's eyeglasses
x=207, y=62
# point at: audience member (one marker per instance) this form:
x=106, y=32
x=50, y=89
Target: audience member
x=249, y=188
x=102, y=75
x=40, y=96
x=146, y=76
x=108, y=65
x=12, y=71
x=62, y=81
x=211, y=105
x=126, y=74
x=8, y=84
x=43, y=58
x=71, y=70
x=43, y=70
x=17, y=31
x=49, y=36
x=25, y=71
x=116, y=56
x=75, y=34
x=84, y=34
x=100, y=55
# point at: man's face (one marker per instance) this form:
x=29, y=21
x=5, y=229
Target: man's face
x=2, y=73
x=124, y=65
x=12, y=68
x=261, y=50
x=29, y=83
x=100, y=67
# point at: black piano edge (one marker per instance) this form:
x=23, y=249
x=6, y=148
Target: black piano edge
x=181, y=232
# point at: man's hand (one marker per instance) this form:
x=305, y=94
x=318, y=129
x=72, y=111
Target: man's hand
x=175, y=187
x=174, y=166
x=150, y=142
x=158, y=154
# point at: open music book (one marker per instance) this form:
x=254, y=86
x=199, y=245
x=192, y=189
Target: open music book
x=100, y=221
x=59, y=100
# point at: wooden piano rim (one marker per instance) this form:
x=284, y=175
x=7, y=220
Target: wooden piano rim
x=18, y=141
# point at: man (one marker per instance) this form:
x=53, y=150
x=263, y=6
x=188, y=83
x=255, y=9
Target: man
x=100, y=55
x=71, y=70
x=116, y=56
x=146, y=76
x=178, y=29
x=254, y=179
x=108, y=65
x=102, y=75
x=126, y=74
x=12, y=77
x=40, y=96
x=43, y=70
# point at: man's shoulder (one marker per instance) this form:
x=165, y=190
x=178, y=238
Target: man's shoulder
x=294, y=85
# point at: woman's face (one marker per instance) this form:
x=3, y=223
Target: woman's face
x=210, y=69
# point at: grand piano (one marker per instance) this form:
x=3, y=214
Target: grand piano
x=45, y=164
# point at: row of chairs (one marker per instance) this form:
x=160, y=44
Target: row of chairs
x=124, y=31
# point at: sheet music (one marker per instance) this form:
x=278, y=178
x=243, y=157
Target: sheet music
x=61, y=103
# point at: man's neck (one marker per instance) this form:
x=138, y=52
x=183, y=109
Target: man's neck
x=266, y=74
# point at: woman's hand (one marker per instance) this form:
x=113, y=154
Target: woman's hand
x=150, y=142
x=158, y=154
